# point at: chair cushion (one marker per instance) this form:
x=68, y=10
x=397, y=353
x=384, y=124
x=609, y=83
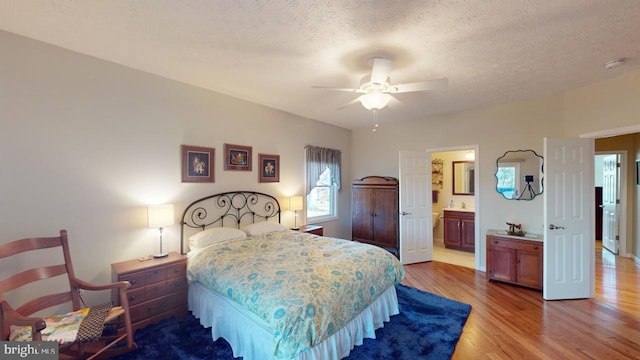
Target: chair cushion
x=77, y=326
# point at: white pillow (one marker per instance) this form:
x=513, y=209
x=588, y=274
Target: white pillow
x=263, y=228
x=214, y=235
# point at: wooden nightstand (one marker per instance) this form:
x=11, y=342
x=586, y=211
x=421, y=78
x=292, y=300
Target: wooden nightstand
x=312, y=229
x=158, y=288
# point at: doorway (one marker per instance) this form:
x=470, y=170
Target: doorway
x=447, y=194
x=621, y=141
x=611, y=189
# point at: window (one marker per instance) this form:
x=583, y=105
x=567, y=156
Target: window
x=507, y=176
x=321, y=201
x=323, y=183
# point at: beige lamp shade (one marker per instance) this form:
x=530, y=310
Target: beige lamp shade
x=295, y=203
x=284, y=203
x=159, y=216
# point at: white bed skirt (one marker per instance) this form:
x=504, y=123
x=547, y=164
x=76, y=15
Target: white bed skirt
x=251, y=337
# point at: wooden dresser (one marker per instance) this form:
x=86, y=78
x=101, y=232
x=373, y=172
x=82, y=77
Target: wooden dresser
x=158, y=288
x=375, y=212
x=514, y=259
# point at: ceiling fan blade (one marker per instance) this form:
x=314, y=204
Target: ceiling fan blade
x=434, y=84
x=354, y=101
x=381, y=70
x=337, y=89
x=393, y=101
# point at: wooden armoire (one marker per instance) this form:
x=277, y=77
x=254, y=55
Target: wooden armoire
x=375, y=212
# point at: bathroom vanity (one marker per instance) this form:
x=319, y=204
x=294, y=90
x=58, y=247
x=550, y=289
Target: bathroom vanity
x=459, y=229
x=515, y=259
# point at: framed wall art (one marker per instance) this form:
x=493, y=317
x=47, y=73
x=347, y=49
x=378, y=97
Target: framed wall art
x=197, y=164
x=237, y=157
x=269, y=168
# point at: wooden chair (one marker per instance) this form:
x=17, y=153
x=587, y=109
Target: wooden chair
x=118, y=342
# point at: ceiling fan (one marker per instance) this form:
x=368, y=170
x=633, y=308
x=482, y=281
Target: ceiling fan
x=376, y=89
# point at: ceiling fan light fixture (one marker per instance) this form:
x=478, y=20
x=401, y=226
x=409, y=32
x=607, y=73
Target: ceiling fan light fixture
x=375, y=100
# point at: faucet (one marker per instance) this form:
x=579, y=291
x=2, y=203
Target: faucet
x=462, y=205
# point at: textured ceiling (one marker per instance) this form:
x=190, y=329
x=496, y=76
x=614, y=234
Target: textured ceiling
x=273, y=52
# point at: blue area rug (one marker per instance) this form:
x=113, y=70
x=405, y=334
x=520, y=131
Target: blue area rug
x=428, y=327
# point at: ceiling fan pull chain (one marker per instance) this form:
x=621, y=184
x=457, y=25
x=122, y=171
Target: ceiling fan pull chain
x=375, y=120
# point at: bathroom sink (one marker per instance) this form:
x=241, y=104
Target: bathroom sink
x=526, y=235
x=459, y=209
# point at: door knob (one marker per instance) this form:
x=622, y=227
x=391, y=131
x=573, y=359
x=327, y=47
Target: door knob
x=553, y=227
x=405, y=213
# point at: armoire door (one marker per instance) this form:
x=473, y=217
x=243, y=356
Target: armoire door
x=385, y=215
x=362, y=217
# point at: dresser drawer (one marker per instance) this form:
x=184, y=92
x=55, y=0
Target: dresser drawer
x=137, y=280
x=148, y=309
x=136, y=296
x=177, y=270
x=156, y=275
x=156, y=290
x=515, y=244
x=177, y=284
x=157, y=306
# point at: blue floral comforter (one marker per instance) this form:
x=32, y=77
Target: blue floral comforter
x=305, y=286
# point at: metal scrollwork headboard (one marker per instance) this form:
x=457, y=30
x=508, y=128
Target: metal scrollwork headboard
x=233, y=208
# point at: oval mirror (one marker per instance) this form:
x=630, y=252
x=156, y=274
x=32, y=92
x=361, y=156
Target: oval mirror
x=463, y=177
x=519, y=174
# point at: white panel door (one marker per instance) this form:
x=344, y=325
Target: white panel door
x=610, y=203
x=416, y=234
x=569, y=244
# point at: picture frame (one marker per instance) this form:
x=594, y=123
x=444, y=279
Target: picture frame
x=269, y=168
x=198, y=164
x=638, y=172
x=237, y=157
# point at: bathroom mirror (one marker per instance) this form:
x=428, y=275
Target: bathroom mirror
x=519, y=174
x=463, y=177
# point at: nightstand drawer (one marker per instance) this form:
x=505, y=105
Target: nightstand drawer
x=312, y=229
x=156, y=307
x=148, y=309
x=137, y=280
x=177, y=284
x=158, y=288
x=177, y=270
x=136, y=296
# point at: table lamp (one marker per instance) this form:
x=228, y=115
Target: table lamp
x=158, y=217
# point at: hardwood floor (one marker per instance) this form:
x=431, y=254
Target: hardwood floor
x=510, y=322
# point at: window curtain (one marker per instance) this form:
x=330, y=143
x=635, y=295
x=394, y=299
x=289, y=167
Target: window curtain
x=318, y=159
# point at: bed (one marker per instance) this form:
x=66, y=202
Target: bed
x=274, y=293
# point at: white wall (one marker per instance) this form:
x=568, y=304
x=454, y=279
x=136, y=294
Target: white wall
x=86, y=145
x=610, y=104
x=513, y=126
